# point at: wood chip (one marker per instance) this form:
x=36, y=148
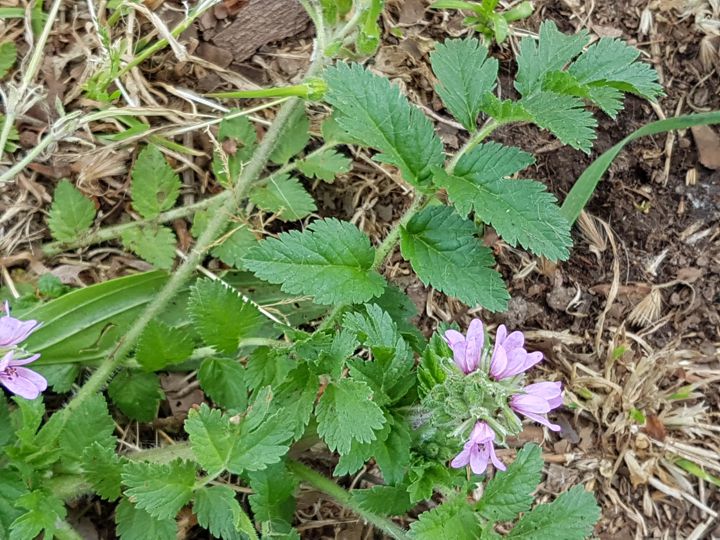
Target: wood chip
x=708, y=145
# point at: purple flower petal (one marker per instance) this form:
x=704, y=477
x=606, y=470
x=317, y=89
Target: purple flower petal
x=540, y=419
x=23, y=361
x=463, y=458
x=496, y=460
x=499, y=362
x=479, y=459
x=475, y=331
x=453, y=337
x=524, y=403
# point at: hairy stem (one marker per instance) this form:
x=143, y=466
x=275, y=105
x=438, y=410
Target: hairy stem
x=330, y=488
x=472, y=142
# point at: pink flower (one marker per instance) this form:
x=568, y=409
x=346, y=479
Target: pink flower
x=479, y=450
x=537, y=400
x=13, y=331
x=467, y=350
x=19, y=380
x=509, y=357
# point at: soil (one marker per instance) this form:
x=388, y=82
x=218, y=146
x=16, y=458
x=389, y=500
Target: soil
x=639, y=294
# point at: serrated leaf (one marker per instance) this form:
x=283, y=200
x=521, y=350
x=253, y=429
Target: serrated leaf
x=284, y=196
x=273, y=494
x=375, y=112
x=551, y=52
x=156, y=245
x=8, y=55
x=267, y=367
x=159, y=489
x=211, y=438
x=155, y=186
x=161, y=345
x=293, y=139
x=466, y=74
x=521, y=211
x=325, y=165
x=71, y=213
x=219, y=512
x=89, y=424
x=221, y=316
x=569, y=517
x=452, y=520
x=393, y=454
x=609, y=99
x=444, y=252
x=295, y=397
x=234, y=246
x=133, y=523
x=44, y=513
x=102, y=467
x=384, y=500
x=564, y=116
x=346, y=413
x=137, y=395
x=11, y=489
x=511, y=492
x=241, y=131
x=612, y=62
x=504, y=111
x=331, y=260
x=224, y=381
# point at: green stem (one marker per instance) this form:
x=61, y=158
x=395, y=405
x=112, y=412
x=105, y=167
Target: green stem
x=342, y=496
x=66, y=532
x=472, y=142
x=296, y=90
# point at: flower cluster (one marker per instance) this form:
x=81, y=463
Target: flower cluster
x=505, y=366
x=19, y=380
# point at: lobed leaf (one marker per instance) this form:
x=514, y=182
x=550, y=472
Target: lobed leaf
x=133, y=523
x=219, y=512
x=325, y=165
x=223, y=380
x=161, y=345
x=136, y=394
x=155, y=186
x=452, y=520
x=159, y=489
x=102, y=467
x=293, y=138
x=71, y=213
x=156, y=245
x=284, y=196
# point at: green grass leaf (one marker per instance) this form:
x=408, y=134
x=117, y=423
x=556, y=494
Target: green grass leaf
x=284, y=196
x=569, y=517
x=155, y=245
x=161, y=345
x=134, y=523
x=346, y=413
x=452, y=520
x=219, y=512
x=331, y=260
x=446, y=254
x=71, y=213
x=8, y=55
x=155, y=186
x=511, y=492
x=102, y=467
x=159, y=489
x=325, y=165
x=375, y=112
x=88, y=424
x=294, y=138
x=466, y=74
x=521, y=211
x=224, y=381
x=136, y=394
x=221, y=316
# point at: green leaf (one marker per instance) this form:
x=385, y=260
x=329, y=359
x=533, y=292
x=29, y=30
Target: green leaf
x=211, y=438
x=6, y=429
x=155, y=186
x=325, y=165
x=466, y=74
x=241, y=131
x=273, y=495
x=221, y=316
x=8, y=55
x=44, y=513
x=13, y=136
x=156, y=245
x=11, y=489
x=504, y=111
x=331, y=260
x=452, y=520
x=161, y=345
x=71, y=213
x=379, y=116
x=219, y=512
x=224, y=381
x=444, y=252
x=137, y=395
x=511, y=492
x=551, y=52
x=234, y=246
x=267, y=367
x=584, y=187
x=293, y=139
x=88, y=424
x=102, y=467
x=346, y=413
x=384, y=500
x=295, y=397
x=368, y=39
x=521, y=211
x=564, y=116
x=134, y=523
x=569, y=517
x=284, y=196
x=159, y=489
x=612, y=62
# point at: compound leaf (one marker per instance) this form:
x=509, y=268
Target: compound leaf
x=564, y=116
x=223, y=380
x=284, y=196
x=156, y=245
x=161, y=345
x=452, y=520
x=219, y=512
x=325, y=165
x=133, y=523
x=159, y=489
x=136, y=394
x=155, y=186
x=88, y=424
x=71, y=213
x=44, y=513
x=273, y=497
x=211, y=438
x=102, y=467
